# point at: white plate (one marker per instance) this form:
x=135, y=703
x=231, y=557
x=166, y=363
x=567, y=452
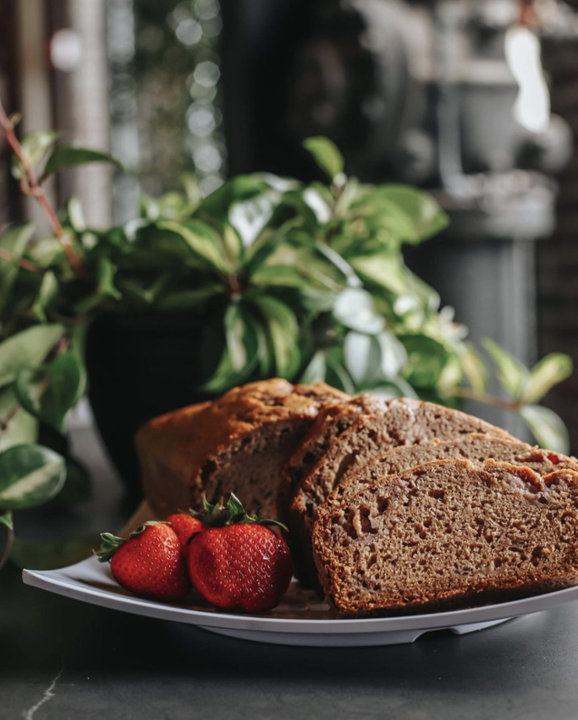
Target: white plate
x=299, y=620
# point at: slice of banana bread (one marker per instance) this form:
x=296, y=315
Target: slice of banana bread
x=475, y=447
x=330, y=423
x=448, y=534
x=396, y=422
x=237, y=443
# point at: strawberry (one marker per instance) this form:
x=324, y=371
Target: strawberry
x=185, y=526
x=238, y=563
x=150, y=563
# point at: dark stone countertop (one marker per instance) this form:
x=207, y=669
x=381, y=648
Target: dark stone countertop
x=65, y=660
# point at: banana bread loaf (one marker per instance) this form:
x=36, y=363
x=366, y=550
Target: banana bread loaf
x=448, y=534
x=237, y=443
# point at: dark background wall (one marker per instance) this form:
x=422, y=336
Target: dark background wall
x=557, y=260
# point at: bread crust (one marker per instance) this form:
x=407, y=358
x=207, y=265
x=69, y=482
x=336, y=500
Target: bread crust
x=475, y=447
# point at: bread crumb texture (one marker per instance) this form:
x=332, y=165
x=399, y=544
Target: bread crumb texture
x=446, y=534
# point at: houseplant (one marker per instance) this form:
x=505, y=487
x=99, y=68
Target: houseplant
x=275, y=277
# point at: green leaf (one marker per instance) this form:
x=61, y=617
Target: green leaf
x=512, y=374
x=47, y=294
x=22, y=427
x=155, y=250
x=318, y=204
x=49, y=392
x=451, y=376
x=35, y=146
x=135, y=293
x=201, y=240
x=426, y=360
x=177, y=206
x=547, y=427
x=75, y=214
x=312, y=268
x=232, y=246
x=6, y=520
x=474, y=369
x=241, y=350
x=325, y=154
x=393, y=354
x=355, y=309
x=339, y=263
x=387, y=273
x=260, y=251
x=361, y=358
x=394, y=388
x=190, y=185
x=550, y=371
x=29, y=347
x=239, y=189
x=105, y=288
x=251, y=216
x=47, y=252
x=338, y=377
x=316, y=369
x=15, y=241
x=188, y=299
x=67, y=155
x=241, y=343
x=280, y=276
x=371, y=360
x=282, y=333
x=30, y=475
x=50, y=554
x=420, y=215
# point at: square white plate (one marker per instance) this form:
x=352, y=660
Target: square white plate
x=300, y=619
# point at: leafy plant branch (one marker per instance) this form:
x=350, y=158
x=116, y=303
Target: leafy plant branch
x=524, y=387
x=30, y=186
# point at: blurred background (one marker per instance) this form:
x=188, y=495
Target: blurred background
x=476, y=101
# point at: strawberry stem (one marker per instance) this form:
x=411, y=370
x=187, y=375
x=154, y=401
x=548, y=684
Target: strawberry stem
x=111, y=543
x=220, y=515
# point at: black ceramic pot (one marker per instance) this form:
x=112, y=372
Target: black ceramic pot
x=140, y=366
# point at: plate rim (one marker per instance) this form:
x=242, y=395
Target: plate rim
x=60, y=582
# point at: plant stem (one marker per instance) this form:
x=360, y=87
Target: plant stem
x=5, y=421
x=36, y=191
x=7, y=256
x=511, y=405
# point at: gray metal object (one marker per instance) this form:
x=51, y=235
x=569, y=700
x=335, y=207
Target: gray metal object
x=484, y=266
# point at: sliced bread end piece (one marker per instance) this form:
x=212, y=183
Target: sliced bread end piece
x=448, y=534
x=238, y=442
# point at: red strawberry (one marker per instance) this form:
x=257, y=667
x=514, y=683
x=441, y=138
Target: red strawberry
x=185, y=526
x=240, y=564
x=150, y=563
